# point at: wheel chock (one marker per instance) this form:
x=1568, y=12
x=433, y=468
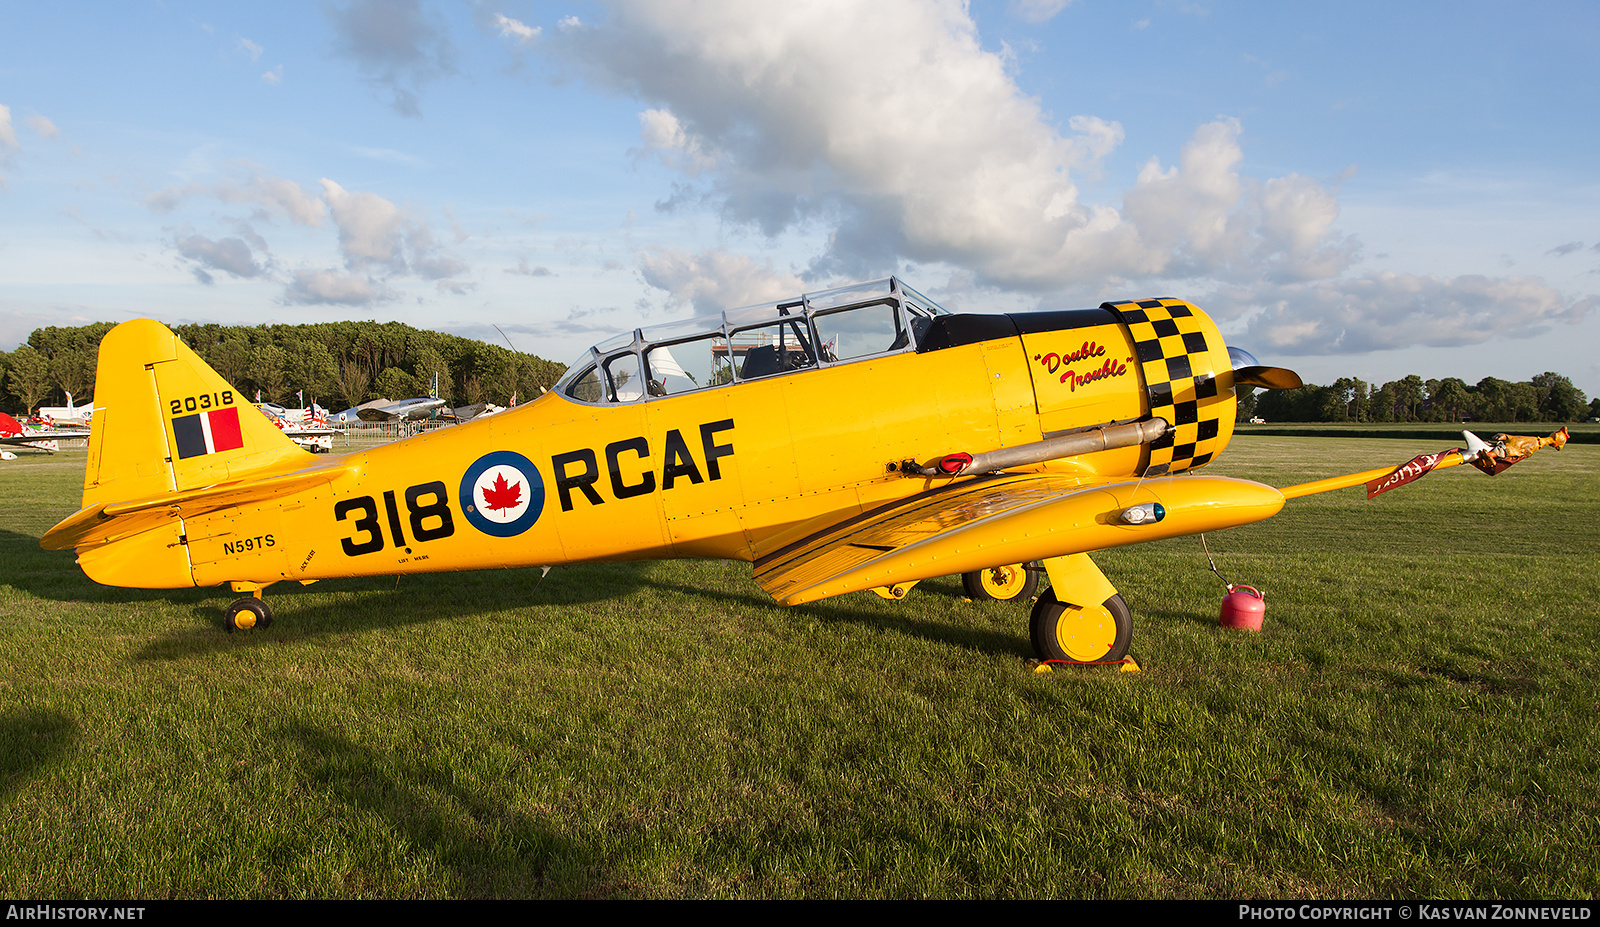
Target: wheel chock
x=1124, y=665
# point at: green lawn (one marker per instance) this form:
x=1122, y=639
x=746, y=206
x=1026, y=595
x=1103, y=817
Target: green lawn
x=1417, y=719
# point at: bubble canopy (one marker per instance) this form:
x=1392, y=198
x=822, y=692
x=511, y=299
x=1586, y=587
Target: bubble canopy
x=841, y=325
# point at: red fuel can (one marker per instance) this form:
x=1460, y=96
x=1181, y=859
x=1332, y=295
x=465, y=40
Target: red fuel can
x=1243, y=608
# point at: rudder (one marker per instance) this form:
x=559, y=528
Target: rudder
x=165, y=421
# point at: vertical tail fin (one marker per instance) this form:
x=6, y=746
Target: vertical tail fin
x=165, y=421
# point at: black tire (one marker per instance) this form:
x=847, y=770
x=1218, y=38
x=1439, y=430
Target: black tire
x=1067, y=634
x=1013, y=582
x=246, y=615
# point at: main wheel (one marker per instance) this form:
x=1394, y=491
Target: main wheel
x=1071, y=634
x=247, y=614
x=1009, y=583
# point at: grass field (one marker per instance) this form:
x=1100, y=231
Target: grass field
x=1416, y=720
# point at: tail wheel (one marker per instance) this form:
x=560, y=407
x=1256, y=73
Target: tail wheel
x=246, y=615
x=1070, y=634
x=1009, y=583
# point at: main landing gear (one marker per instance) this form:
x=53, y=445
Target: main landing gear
x=1014, y=582
x=1093, y=624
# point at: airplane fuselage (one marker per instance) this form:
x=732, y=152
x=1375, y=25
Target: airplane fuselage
x=733, y=471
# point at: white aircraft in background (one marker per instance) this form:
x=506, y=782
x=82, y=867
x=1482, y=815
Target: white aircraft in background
x=42, y=435
x=306, y=427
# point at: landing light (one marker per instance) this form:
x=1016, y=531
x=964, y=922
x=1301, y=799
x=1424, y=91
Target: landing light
x=1145, y=514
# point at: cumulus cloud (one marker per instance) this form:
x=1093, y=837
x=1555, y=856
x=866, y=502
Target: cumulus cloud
x=1038, y=11
x=230, y=255
x=377, y=239
x=395, y=45
x=369, y=227
x=377, y=235
x=1391, y=310
x=43, y=127
x=890, y=123
x=526, y=270
x=8, y=134
x=715, y=280
x=275, y=195
x=890, y=128
x=661, y=133
x=335, y=288
x=8, y=141
x=515, y=29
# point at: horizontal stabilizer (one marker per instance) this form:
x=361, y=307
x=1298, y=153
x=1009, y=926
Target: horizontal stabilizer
x=102, y=522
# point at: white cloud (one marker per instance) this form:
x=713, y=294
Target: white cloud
x=834, y=113
x=526, y=270
x=250, y=48
x=369, y=227
x=231, y=255
x=715, y=280
x=1038, y=11
x=889, y=128
x=377, y=235
x=273, y=77
x=515, y=29
x=43, y=127
x=428, y=260
x=395, y=46
x=333, y=287
x=1390, y=310
x=8, y=134
x=251, y=185
x=661, y=132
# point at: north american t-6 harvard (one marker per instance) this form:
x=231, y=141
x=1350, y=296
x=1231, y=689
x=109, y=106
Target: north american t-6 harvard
x=852, y=439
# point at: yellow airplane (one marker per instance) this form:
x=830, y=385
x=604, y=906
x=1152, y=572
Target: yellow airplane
x=852, y=439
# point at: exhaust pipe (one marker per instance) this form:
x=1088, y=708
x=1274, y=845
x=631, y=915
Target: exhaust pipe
x=1102, y=438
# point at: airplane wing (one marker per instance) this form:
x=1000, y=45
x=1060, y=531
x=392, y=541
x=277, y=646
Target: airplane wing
x=104, y=522
x=29, y=437
x=378, y=415
x=1008, y=518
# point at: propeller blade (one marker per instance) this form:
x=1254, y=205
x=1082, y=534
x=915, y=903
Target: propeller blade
x=1267, y=378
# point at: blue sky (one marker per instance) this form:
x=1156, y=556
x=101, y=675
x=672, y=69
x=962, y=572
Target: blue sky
x=1367, y=189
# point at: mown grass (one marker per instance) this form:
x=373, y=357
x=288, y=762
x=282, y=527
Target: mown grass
x=1415, y=720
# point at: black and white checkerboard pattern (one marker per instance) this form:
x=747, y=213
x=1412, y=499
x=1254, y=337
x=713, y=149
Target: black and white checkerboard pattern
x=1167, y=336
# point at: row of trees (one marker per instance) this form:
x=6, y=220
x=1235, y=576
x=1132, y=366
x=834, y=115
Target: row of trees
x=1548, y=397
x=342, y=364
x=338, y=364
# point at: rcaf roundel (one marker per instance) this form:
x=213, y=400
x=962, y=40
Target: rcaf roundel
x=502, y=494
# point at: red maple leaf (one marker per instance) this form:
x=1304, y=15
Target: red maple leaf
x=502, y=496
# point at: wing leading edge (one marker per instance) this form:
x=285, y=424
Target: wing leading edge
x=1009, y=518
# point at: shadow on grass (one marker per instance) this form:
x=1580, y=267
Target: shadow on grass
x=490, y=850
x=837, y=610
x=54, y=574
x=352, y=606
x=28, y=741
